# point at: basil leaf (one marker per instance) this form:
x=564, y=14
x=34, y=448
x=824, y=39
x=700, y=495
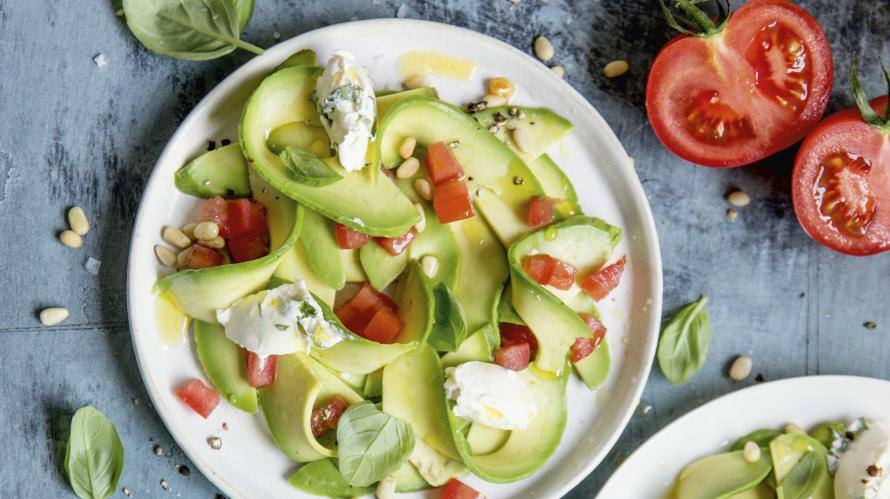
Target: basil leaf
x=307, y=168
x=761, y=437
x=805, y=477
x=94, y=459
x=683, y=346
x=371, y=445
x=450, y=326
x=195, y=30
x=322, y=478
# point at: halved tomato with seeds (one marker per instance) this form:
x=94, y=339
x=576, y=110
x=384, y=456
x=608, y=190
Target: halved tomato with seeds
x=741, y=90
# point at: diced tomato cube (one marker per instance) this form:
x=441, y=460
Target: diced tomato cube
x=455, y=489
x=513, y=355
x=396, y=245
x=563, y=275
x=602, y=282
x=515, y=333
x=348, y=238
x=358, y=311
x=441, y=163
x=384, y=327
x=261, y=371
x=216, y=210
x=202, y=257
x=549, y=271
x=200, y=397
x=540, y=211
x=245, y=216
x=326, y=417
x=585, y=346
x=593, y=324
x=452, y=201
x=249, y=246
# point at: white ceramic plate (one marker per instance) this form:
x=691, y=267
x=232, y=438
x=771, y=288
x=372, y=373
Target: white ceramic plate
x=249, y=465
x=712, y=428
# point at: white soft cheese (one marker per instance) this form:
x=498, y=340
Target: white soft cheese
x=491, y=395
x=864, y=468
x=278, y=321
x=346, y=103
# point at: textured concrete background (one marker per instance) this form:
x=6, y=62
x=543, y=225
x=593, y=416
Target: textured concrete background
x=74, y=133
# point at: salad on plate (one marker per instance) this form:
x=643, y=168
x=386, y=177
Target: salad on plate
x=400, y=287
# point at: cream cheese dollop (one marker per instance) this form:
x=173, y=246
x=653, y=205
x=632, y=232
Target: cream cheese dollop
x=491, y=395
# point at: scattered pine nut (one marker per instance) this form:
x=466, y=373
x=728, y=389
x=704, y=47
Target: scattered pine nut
x=430, y=265
x=544, y=49
x=559, y=70
x=416, y=82
x=741, y=368
x=793, y=428
x=738, y=198
x=386, y=489
x=492, y=100
x=189, y=230
x=77, y=220
x=176, y=237
x=502, y=86
x=215, y=443
x=53, y=315
x=423, y=188
x=406, y=150
x=165, y=256
x=408, y=168
x=216, y=243
x=520, y=138
x=206, y=231
x=419, y=226
x=731, y=214
x=71, y=239
x=751, y=452
x=182, y=258
x=616, y=68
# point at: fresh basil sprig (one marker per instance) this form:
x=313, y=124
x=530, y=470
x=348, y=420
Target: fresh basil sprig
x=805, y=477
x=194, y=30
x=683, y=346
x=371, y=444
x=94, y=459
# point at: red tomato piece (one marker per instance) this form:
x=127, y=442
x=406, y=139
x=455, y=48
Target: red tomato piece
x=582, y=347
x=358, y=311
x=540, y=211
x=515, y=356
x=261, y=371
x=216, y=210
x=350, y=239
x=455, y=489
x=601, y=283
x=549, y=271
x=452, y=201
x=202, y=257
x=441, y=163
x=326, y=417
x=245, y=216
x=396, y=245
x=200, y=397
x=742, y=90
x=515, y=333
x=563, y=275
x=248, y=247
x=384, y=327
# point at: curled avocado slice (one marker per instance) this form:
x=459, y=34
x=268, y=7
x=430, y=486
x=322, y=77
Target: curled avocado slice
x=319, y=241
x=220, y=172
x=225, y=363
x=789, y=450
x=541, y=126
x=303, y=57
x=722, y=476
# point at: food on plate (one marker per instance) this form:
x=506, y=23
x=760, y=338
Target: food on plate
x=835, y=460
x=840, y=185
x=737, y=90
x=370, y=261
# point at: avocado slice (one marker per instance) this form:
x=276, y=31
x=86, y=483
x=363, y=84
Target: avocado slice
x=225, y=363
x=322, y=478
x=303, y=57
x=386, y=101
x=721, y=476
x=352, y=266
x=584, y=242
x=373, y=384
x=358, y=201
x=220, y=172
x=789, y=449
x=761, y=491
x=435, y=468
x=381, y=267
x=525, y=450
x=322, y=250
x=306, y=136
x=300, y=385
x=542, y=126
x=556, y=185
x=483, y=270
x=761, y=437
x=593, y=369
x=408, y=479
x=485, y=439
x=476, y=347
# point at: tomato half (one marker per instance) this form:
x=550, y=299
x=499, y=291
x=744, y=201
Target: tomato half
x=841, y=183
x=744, y=91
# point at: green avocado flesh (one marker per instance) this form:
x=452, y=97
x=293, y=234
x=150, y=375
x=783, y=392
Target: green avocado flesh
x=476, y=347
x=304, y=57
x=541, y=126
x=380, y=266
x=721, y=476
x=524, y=450
x=483, y=270
x=322, y=478
x=376, y=207
x=450, y=326
x=301, y=384
x=220, y=172
x=320, y=244
x=311, y=138
x=385, y=102
x=225, y=363
x=556, y=185
x=409, y=480
x=787, y=451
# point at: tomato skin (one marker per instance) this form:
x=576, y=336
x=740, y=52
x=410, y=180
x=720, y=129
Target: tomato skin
x=327, y=417
x=441, y=163
x=845, y=132
x=515, y=333
x=540, y=211
x=249, y=246
x=395, y=246
x=686, y=66
x=200, y=397
x=350, y=239
x=358, y=312
x=245, y=216
x=384, y=327
x=451, y=201
x=455, y=489
x=513, y=355
x=202, y=257
x=261, y=371
x=599, y=284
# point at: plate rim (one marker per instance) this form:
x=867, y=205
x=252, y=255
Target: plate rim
x=625, y=171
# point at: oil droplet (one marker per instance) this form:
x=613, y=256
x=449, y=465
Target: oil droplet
x=422, y=63
x=550, y=233
x=171, y=322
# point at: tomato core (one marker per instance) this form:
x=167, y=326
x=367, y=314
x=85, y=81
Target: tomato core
x=843, y=193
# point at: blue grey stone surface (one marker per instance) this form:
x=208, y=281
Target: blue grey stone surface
x=72, y=132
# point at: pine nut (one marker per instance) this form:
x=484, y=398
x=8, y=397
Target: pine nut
x=430, y=265
x=731, y=214
x=520, y=138
x=544, y=49
x=492, y=100
x=206, y=231
x=751, y=453
x=739, y=199
x=416, y=82
x=189, y=230
x=386, y=489
x=616, y=68
x=423, y=188
x=406, y=150
x=419, y=226
x=175, y=237
x=502, y=86
x=71, y=239
x=793, y=428
x=77, y=220
x=741, y=368
x=559, y=70
x=182, y=259
x=408, y=168
x=216, y=243
x=165, y=256
x=53, y=315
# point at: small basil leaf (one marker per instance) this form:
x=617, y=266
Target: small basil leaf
x=683, y=346
x=94, y=459
x=307, y=168
x=805, y=477
x=322, y=478
x=371, y=445
x=761, y=437
x=450, y=327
